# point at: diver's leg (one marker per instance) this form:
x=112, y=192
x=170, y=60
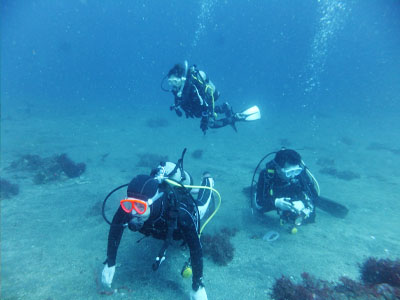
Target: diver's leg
x=214, y=123
x=205, y=196
x=225, y=108
x=230, y=117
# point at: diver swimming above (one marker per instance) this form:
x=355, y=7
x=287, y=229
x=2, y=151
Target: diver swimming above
x=161, y=205
x=196, y=95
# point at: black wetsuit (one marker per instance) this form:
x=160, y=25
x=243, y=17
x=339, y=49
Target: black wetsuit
x=187, y=227
x=270, y=186
x=198, y=101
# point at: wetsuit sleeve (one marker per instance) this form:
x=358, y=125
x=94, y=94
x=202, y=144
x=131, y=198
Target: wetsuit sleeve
x=196, y=253
x=264, y=199
x=308, y=189
x=260, y=187
x=115, y=235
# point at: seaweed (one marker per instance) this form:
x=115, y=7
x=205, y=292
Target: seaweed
x=375, y=146
x=48, y=169
x=150, y=160
x=376, y=271
x=382, y=147
x=218, y=246
x=309, y=289
x=395, y=151
x=104, y=156
x=351, y=287
x=8, y=189
x=380, y=280
x=197, y=154
x=325, y=162
x=70, y=168
x=344, y=175
x=28, y=162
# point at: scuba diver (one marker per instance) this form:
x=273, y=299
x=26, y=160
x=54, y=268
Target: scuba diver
x=287, y=186
x=196, y=95
x=161, y=205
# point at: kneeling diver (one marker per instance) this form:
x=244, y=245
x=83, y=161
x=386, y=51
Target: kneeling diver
x=162, y=206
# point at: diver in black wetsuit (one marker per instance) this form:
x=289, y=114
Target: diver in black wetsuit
x=286, y=185
x=196, y=95
x=165, y=210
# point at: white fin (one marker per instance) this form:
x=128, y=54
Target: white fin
x=252, y=113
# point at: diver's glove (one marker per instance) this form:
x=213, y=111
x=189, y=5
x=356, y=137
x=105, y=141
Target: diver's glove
x=107, y=275
x=301, y=209
x=200, y=294
x=298, y=206
x=306, y=212
x=284, y=204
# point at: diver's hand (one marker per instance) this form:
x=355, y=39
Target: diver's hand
x=200, y=294
x=283, y=204
x=306, y=212
x=301, y=209
x=298, y=206
x=107, y=275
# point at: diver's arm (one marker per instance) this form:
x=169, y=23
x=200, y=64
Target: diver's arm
x=196, y=253
x=261, y=189
x=260, y=186
x=115, y=235
x=309, y=190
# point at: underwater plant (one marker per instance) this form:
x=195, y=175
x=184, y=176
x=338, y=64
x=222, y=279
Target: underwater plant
x=8, y=189
x=28, y=162
x=48, y=169
x=376, y=271
x=344, y=175
x=197, y=154
x=380, y=281
x=218, y=246
x=150, y=160
x=70, y=168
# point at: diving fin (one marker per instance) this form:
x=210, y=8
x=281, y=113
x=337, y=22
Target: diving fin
x=332, y=207
x=250, y=114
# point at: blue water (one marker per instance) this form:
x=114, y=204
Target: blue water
x=342, y=51
x=83, y=77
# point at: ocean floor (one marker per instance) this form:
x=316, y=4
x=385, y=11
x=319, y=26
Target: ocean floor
x=53, y=237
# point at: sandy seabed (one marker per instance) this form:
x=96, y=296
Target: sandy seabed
x=53, y=237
